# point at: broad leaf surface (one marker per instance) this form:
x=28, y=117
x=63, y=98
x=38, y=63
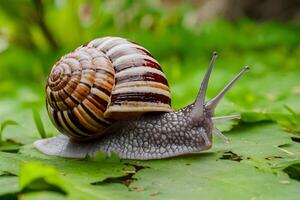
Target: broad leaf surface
x=256, y=155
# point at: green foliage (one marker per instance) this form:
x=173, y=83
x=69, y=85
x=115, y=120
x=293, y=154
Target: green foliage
x=5, y=124
x=260, y=162
x=38, y=122
x=292, y=123
x=256, y=155
x=8, y=184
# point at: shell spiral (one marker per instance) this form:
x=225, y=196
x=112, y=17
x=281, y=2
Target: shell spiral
x=107, y=79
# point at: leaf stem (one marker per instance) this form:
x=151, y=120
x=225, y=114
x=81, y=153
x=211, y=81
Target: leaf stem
x=4, y=125
x=38, y=122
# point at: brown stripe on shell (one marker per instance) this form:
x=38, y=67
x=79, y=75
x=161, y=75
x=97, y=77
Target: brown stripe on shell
x=98, y=113
x=142, y=77
x=50, y=111
x=76, y=72
x=80, y=94
x=96, y=42
x=137, y=45
x=86, y=84
x=70, y=128
x=127, y=51
x=143, y=83
x=88, y=77
x=146, y=52
x=103, y=71
x=103, y=63
x=102, y=89
x=93, y=118
x=52, y=83
x=104, y=78
x=52, y=101
x=71, y=98
x=60, y=125
x=51, y=97
x=137, y=63
x=63, y=82
x=98, y=99
x=62, y=94
x=150, y=63
x=104, y=84
x=57, y=122
x=62, y=104
x=87, y=69
x=72, y=85
x=71, y=102
x=55, y=95
x=100, y=105
x=86, y=120
x=133, y=42
x=113, y=41
x=77, y=123
x=64, y=70
x=141, y=97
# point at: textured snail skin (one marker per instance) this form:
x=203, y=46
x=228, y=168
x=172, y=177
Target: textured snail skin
x=153, y=136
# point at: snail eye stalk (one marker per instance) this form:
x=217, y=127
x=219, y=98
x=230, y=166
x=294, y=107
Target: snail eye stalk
x=200, y=100
x=212, y=104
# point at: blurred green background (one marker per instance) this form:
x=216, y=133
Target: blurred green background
x=262, y=160
x=180, y=34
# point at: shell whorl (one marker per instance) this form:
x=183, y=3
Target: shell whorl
x=109, y=78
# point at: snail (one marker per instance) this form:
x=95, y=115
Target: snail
x=111, y=95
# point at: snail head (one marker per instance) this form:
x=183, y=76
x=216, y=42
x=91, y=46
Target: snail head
x=202, y=109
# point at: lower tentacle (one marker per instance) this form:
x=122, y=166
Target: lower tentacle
x=221, y=135
x=226, y=118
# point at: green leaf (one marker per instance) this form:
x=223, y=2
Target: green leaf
x=8, y=185
x=293, y=171
x=44, y=195
x=5, y=124
x=33, y=171
x=9, y=146
x=239, y=170
x=39, y=123
x=84, y=171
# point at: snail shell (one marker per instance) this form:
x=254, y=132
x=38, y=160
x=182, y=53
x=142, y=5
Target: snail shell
x=109, y=78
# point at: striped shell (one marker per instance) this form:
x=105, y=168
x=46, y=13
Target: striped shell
x=109, y=78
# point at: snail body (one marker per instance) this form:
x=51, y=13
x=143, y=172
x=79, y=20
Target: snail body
x=111, y=95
